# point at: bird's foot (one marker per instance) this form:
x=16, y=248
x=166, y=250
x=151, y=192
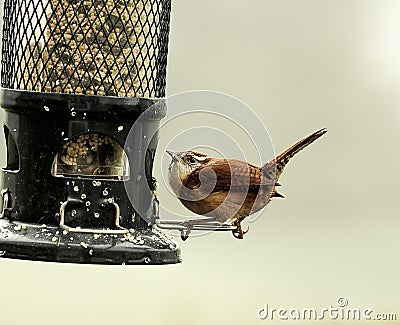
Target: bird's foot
x=238, y=232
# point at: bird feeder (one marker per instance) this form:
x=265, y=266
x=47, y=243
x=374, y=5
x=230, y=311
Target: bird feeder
x=75, y=76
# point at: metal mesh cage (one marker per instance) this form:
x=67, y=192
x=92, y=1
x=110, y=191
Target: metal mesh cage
x=93, y=47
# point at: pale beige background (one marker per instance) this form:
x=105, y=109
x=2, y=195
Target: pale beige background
x=300, y=65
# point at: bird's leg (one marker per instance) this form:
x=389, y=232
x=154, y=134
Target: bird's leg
x=190, y=223
x=238, y=232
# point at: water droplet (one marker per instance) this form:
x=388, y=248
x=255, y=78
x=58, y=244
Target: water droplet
x=15, y=130
x=62, y=133
x=2, y=253
x=129, y=149
x=73, y=113
x=46, y=108
x=91, y=252
x=145, y=136
x=105, y=192
x=120, y=128
x=54, y=239
x=96, y=215
x=147, y=260
x=73, y=212
x=76, y=188
x=83, y=196
x=87, y=203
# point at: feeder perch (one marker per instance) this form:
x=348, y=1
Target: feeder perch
x=75, y=76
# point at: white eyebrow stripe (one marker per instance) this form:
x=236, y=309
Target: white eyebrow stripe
x=201, y=158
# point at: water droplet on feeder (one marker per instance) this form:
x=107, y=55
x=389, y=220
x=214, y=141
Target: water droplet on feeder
x=120, y=128
x=2, y=253
x=105, y=192
x=83, y=244
x=76, y=188
x=62, y=133
x=73, y=212
x=96, y=215
x=83, y=196
x=46, y=108
x=145, y=136
x=15, y=130
x=65, y=232
x=129, y=149
x=147, y=260
x=18, y=227
x=54, y=239
x=73, y=113
x=91, y=252
x=87, y=203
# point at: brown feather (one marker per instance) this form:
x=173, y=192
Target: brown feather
x=284, y=157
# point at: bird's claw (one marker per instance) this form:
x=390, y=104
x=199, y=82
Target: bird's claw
x=186, y=232
x=238, y=232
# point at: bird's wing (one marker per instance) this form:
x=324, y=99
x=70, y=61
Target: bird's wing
x=227, y=175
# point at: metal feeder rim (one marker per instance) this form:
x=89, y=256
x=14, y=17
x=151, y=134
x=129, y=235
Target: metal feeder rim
x=11, y=99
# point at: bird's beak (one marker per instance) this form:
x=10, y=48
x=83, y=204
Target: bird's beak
x=174, y=155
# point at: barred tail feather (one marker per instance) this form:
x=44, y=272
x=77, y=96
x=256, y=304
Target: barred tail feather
x=282, y=159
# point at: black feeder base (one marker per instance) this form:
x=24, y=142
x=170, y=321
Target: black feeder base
x=70, y=159
x=49, y=243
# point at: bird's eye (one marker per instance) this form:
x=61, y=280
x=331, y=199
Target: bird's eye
x=192, y=160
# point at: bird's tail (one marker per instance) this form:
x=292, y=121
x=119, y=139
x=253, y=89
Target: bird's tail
x=273, y=169
x=282, y=159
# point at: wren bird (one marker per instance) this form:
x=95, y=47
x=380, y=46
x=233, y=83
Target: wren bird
x=227, y=190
